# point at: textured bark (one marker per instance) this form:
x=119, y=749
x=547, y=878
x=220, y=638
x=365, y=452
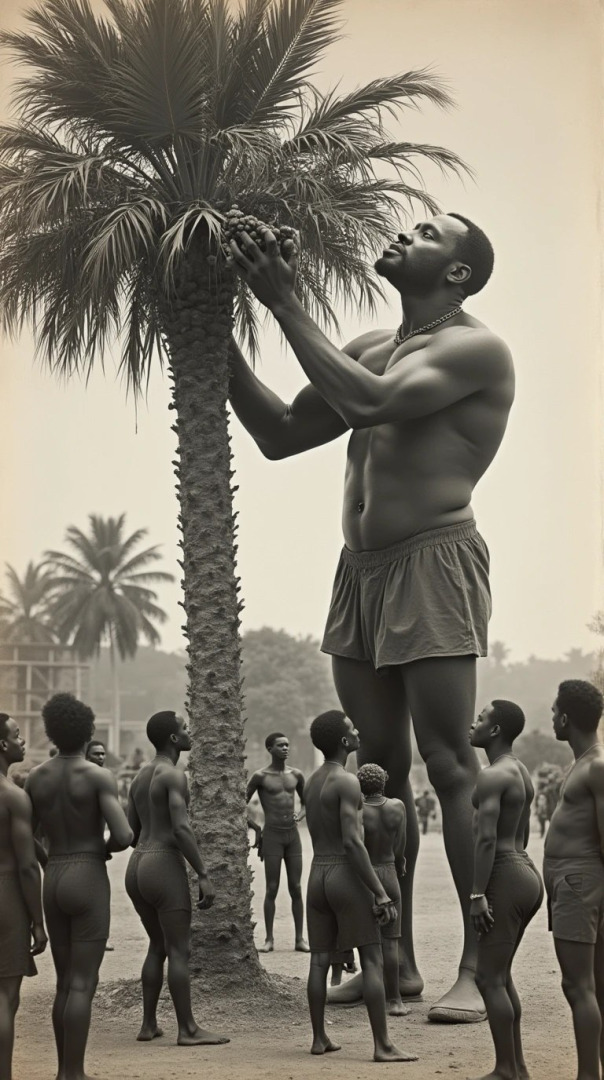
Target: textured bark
x=198, y=328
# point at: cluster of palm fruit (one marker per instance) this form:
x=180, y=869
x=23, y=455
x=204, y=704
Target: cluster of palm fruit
x=236, y=223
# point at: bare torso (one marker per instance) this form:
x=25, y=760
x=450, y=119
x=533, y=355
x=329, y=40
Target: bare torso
x=381, y=823
x=322, y=801
x=405, y=478
x=517, y=793
x=65, y=795
x=150, y=791
x=10, y=794
x=573, y=829
x=277, y=792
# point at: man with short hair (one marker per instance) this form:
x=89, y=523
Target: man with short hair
x=507, y=891
x=96, y=752
x=425, y=809
x=573, y=870
x=427, y=406
x=279, y=842
x=20, y=891
x=346, y=902
x=156, y=878
x=73, y=800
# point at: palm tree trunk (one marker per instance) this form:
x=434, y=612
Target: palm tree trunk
x=198, y=329
x=116, y=727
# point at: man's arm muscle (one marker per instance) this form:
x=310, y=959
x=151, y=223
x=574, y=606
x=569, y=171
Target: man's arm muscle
x=596, y=784
x=120, y=832
x=176, y=784
x=349, y=791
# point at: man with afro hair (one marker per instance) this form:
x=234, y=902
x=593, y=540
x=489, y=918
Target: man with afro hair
x=425, y=407
x=73, y=800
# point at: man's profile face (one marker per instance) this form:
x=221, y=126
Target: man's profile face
x=353, y=740
x=280, y=748
x=183, y=734
x=481, y=728
x=96, y=753
x=419, y=258
x=559, y=723
x=13, y=744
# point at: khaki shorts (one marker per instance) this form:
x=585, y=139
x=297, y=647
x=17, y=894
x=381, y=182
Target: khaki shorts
x=387, y=875
x=575, y=897
x=427, y=596
x=339, y=907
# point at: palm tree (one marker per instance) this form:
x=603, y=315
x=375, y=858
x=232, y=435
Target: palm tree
x=25, y=613
x=134, y=136
x=102, y=595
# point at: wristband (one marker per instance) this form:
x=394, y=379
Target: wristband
x=477, y=895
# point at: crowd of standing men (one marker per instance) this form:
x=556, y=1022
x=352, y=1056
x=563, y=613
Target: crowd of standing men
x=69, y=820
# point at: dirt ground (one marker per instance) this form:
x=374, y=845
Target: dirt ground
x=270, y=1040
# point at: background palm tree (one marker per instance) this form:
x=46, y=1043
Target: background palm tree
x=101, y=595
x=134, y=135
x=25, y=613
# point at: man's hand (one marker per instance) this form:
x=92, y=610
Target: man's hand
x=40, y=941
x=258, y=845
x=270, y=275
x=206, y=893
x=384, y=911
x=481, y=915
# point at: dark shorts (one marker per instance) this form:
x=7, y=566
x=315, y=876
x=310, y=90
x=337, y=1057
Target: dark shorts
x=76, y=897
x=339, y=913
x=387, y=875
x=515, y=894
x=575, y=898
x=15, y=929
x=427, y=596
x=156, y=877
x=282, y=843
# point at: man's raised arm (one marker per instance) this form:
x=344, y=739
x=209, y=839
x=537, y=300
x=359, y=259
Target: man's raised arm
x=280, y=430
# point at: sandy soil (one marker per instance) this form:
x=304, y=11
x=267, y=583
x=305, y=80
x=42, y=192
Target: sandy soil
x=270, y=1039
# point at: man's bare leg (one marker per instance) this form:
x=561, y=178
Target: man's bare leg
x=442, y=698
x=493, y=977
x=377, y=705
x=60, y=956
x=394, y=1005
x=152, y=974
x=85, y=959
x=293, y=866
x=576, y=959
x=599, y=977
x=316, y=990
x=272, y=873
x=9, y=1003
x=176, y=927
x=375, y=1003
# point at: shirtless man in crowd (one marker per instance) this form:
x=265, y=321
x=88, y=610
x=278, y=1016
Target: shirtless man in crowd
x=427, y=407
x=22, y=933
x=96, y=752
x=573, y=870
x=72, y=801
x=507, y=890
x=346, y=902
x=156, y=878
x=279, y=841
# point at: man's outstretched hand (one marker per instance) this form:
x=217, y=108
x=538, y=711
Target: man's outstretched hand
x=270, y=274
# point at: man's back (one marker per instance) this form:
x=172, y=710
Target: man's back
x=150, y=792
x=66, y=792
x=322, y=800
x=381, y=826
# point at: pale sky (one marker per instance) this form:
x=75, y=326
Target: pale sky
x=527, y=82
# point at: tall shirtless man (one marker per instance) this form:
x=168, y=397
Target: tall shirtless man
x=73, y=800
x=156, y=878
x=573, y=870
x=427, y=406
x=279, y=841
x=507, y=890
x=22, y=933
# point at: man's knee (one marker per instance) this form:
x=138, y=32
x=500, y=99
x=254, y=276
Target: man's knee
x=84, y=982
x=449, y=770
x=489, y=980
x=577, y=990
x=295, y=890
x=371, y=957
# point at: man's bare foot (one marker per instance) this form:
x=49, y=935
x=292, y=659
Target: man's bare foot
x=149, y=1032
x=498, y=1076
x=523, y=1073
x=269, y=946
x=392, y=1053
x=395, y=1007
x=462, y=1004
x=201, y=1037
x=324, y=1046
x=301, y=945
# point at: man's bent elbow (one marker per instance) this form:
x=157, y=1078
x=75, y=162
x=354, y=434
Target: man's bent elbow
x=122, y=839
x=29, y=870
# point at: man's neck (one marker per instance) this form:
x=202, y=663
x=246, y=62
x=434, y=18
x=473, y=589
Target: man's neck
x=419, y=310
x=580, y=742
x=277, y=764
x=168, y=753
x=496, y=749
x=3, y=766
x=340, y=757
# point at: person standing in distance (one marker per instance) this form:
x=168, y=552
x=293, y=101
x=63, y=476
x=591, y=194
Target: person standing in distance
x=72, y=801
x=573, y=870
x=279, y=842
x=156, y=878
x=426, y=406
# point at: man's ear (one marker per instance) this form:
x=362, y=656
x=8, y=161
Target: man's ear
x=459, y=273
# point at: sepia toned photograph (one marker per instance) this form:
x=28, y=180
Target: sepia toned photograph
x=301, y=573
